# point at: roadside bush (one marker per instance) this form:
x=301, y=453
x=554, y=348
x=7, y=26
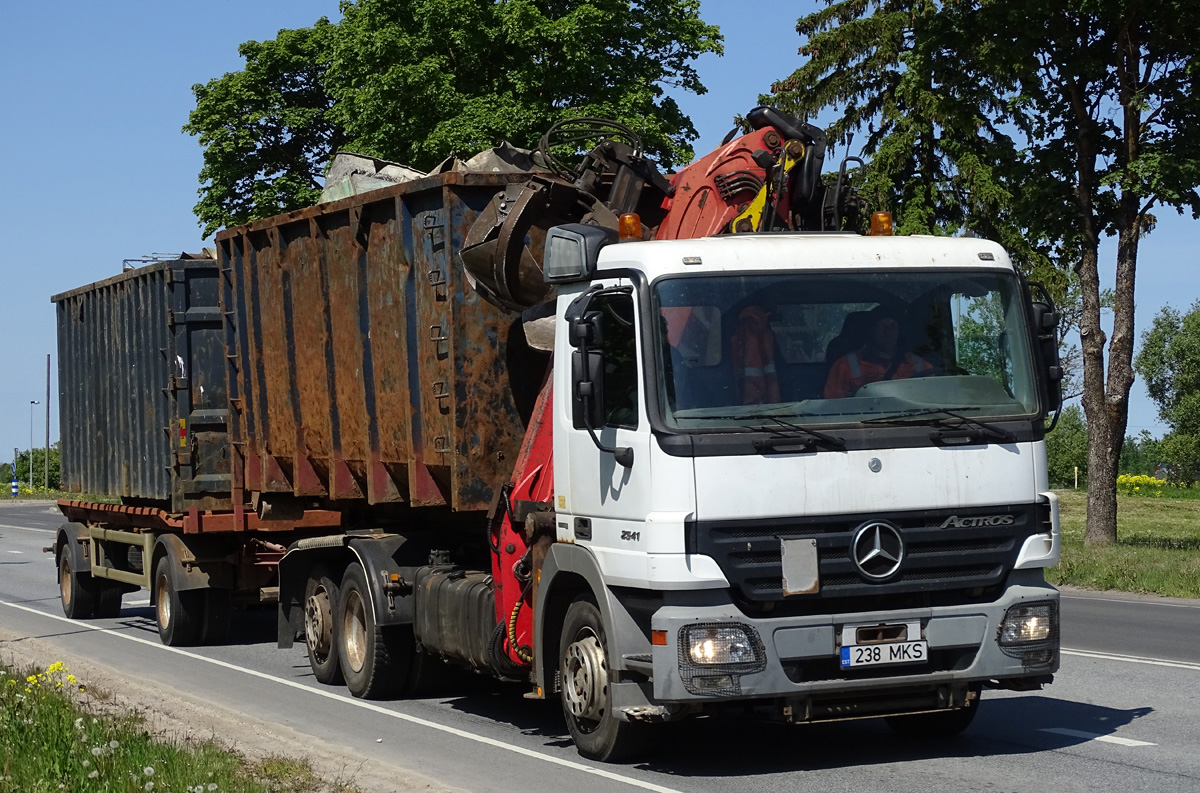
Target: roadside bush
x=1140, y=485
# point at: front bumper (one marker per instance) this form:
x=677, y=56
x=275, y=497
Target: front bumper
x=801, y=655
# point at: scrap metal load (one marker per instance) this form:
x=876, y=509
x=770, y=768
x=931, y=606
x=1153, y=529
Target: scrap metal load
x=767, y=180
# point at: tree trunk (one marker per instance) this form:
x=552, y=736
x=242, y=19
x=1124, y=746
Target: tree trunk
x=1108, y=404
x=1102, y=460
x=1102, y=468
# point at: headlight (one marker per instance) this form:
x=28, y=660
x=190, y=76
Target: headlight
x=719, y=645
x=1036, y=622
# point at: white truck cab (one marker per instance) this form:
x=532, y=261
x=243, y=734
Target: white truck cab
x=809, y=468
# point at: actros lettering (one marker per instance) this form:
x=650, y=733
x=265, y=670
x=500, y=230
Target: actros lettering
x=976, y=522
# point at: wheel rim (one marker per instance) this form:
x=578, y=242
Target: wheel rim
x=354, y=631
x=318, y=623
x=162, y=599
x=585, y=677
x=64, y=581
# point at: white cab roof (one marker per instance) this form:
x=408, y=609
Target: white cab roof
x=757, y=252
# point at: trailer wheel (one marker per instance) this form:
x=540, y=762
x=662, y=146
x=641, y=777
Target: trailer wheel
x=320, y=600
x=179, y=613
x=586, y=697
x=374, y=660
x=75, y=589
x=942, y=724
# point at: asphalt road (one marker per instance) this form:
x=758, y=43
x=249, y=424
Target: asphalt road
x=1123, y=713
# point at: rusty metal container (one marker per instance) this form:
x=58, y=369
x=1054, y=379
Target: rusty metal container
x=362, y=365
x=142, y=399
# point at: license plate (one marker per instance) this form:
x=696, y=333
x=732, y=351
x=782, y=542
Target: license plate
x=891, y=653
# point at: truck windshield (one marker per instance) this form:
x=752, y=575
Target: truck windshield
x=821, y=348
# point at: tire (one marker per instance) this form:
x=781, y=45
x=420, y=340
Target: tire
x=939, y=725
x=375, y=661
x=179, y=613
x=320, y=636
x=218, y=609
x=76, y=590
x=586, y=695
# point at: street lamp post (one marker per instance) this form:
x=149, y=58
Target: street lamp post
x=32, y=402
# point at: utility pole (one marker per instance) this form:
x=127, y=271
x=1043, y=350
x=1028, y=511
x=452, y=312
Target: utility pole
x=46, y=484
x=32, y=402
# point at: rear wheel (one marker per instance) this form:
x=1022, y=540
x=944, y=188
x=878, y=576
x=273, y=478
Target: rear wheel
x=374, y=660
x=179, y=613
x=76, y=589
x=320, y=598
x=941, y=724
x=586, y=693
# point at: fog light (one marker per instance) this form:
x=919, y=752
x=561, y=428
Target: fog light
x=1034, y=622
x=712, y=645
x=712, y=682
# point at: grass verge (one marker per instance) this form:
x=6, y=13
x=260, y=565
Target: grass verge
x=1157, y=549
x=52, y=739
x=54, y=495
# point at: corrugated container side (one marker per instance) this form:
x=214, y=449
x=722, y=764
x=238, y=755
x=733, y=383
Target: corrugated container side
x=362, y=365
x=142, y=387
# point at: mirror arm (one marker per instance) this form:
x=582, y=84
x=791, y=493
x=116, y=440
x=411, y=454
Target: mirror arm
x=622, y=454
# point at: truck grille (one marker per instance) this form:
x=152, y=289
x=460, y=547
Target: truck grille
x=953, y=564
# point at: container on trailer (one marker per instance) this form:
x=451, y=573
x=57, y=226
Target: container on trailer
x=362, y=364
x=142, y=398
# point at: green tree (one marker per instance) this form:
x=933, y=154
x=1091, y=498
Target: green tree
x=267, y=130
x=1045, y=125
x=1066, y=448
x=1140, y=455
x=417, y=80
x=39, y=467
x=1169, y=362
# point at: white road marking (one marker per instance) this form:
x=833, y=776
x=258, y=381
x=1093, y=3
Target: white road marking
x=1131, y=602
x=1133, y=659
x=358, y=703
x=27, y=528
x=16, y=552
x=142, y=602
x=1092, y=736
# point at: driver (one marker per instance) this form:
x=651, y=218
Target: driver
x=878, y=359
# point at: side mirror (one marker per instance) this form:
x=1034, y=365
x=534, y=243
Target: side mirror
x=1045, y=327
x=587, y=372
x=585, y=331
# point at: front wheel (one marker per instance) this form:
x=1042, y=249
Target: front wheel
x=586, y=696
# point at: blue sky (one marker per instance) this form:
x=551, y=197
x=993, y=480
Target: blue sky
x=95, y=169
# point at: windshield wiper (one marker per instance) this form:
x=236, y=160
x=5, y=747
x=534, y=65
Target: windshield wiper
x=786, y=431
x=931, y=416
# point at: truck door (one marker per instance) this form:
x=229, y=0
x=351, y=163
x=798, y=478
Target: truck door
x=609, y=502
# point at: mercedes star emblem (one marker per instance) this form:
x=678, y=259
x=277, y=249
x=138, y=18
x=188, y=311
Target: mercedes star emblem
x=877, y=550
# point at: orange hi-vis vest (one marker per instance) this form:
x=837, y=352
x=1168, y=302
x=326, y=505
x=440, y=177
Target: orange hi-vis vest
x=853, y=371
x=754, y=358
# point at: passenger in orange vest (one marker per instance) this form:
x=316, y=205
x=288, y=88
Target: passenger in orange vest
x=878, y=359
x=754, y=358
